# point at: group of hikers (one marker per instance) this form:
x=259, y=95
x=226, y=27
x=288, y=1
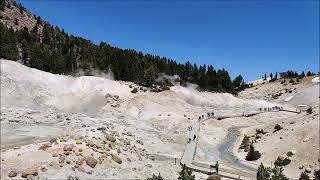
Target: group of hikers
x=271, y=108
x=209, y=114
x=200, y=117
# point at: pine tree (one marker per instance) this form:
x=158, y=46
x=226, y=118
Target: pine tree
x=277, y=174
x=186, y=174
x=263, y=173
x=304, y=176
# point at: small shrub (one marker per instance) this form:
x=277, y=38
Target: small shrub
x=277, y=127
x=260, y=131
x=245, y=144
x=185, y=174
x=134, y=90
x=263, y=173
x=267, y=173
x=252, y=154
x=304, y=176
x=273, y=80
x=154, y=177
x=316, y=174
x=277, y=173
x=282, y=161
x=309, y=110
x=291, y=81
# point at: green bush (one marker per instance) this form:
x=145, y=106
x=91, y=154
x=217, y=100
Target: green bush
x=252, y=154
x=277, y=127
x=316, y=174
x=260, y=131
x=245, y=144
x=154, y=177
x=277, y=173
x=185, y=173
x=304, y=176
x=309, y=110
x=263, y=173
x=266, y=173
x=282, y=161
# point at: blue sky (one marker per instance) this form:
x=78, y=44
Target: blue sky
x=247, y=37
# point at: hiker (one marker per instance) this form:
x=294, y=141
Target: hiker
x=217, y=167
x=212, y=114
x=194, y=137
x=189, y=140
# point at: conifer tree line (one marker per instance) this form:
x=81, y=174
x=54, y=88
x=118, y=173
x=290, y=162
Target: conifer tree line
x=288, y=75
x=49, y=48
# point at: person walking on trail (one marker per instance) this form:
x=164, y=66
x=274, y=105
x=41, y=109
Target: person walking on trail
x=217, y=167
x=194, y=137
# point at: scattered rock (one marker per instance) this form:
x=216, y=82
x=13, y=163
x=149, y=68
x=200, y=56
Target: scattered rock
x=55, y=154
x=81, y=169
x=306, y=140
x=116, y=158
x=61, y=159
x=89, y=172
x=68, y=147
x=140, y=142
x=149, y=165
x=30, y=177
x=110, y=138
x=44, y=146
x=101, y=128
x=12, y=173
x=301, y=167
x=53, y=140
x=78, y=141
x=29, y=171
x=91, y=161
x=63, y=140
x=308, y=170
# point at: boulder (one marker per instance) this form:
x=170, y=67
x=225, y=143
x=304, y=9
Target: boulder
x=78, y=141
x=308, y=170
x=30, y=177
x=101, y=128
x=91, y=161
x=53, y=140
x=116, y=158
x=29, y=171
x=44, y=146
x=111, y=138
x=140, y=142
x=68, y=147
x=291, y=153
x=12, y=173
x=61, y=159
x=55, y=154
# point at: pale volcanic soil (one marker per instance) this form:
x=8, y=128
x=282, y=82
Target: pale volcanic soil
x=55, y=124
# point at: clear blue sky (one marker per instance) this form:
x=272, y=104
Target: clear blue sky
x=244, y=37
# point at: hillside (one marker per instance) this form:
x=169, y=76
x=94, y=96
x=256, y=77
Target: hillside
x=38, y=44
x=300, y=133
x=150, y=128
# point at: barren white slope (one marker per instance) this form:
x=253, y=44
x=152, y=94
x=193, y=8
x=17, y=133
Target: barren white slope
x=37, y=105
x=300, y=132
